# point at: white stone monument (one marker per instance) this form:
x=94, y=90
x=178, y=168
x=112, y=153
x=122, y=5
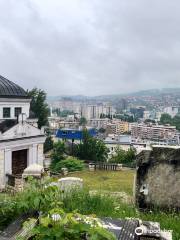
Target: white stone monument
x=70, y=183
x=34, y=170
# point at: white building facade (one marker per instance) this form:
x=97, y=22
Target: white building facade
x=21, y=143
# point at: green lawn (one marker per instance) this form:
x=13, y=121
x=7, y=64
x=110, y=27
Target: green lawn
x=122, y=181
x=114, y=181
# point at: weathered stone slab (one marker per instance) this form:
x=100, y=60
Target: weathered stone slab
x=158, y=178
x=69, y=183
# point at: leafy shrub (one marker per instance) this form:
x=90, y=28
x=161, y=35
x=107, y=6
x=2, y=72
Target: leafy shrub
x=36, y=196
x=72, y=164
x=125, y=157
x=58, y=153
x=8, y=211
x=56, y=224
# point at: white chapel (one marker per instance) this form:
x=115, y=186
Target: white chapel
x=21, y=142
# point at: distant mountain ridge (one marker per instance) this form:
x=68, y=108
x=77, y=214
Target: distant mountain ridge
x=149, y=92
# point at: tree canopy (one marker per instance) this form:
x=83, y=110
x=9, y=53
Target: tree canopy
x=39, y=107
x=167, y=119
x=124, y=157
x=83, y=121
x=91, y=149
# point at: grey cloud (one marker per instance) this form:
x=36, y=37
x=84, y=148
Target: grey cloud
x=90, y=47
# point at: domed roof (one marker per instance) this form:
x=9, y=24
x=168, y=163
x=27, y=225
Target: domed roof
x=10, y=89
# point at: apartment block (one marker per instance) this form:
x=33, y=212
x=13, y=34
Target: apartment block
x=155, y=132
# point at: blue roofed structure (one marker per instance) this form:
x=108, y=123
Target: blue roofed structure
x=75, y=134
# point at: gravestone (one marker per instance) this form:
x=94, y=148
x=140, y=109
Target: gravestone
x=158, y=178
x=69, y=183
x=34, y=170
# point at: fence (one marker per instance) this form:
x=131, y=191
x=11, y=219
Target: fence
x=105, y=166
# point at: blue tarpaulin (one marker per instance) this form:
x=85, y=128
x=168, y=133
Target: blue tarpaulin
x=74, y=134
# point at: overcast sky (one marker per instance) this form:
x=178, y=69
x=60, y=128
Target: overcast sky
x=90, y=47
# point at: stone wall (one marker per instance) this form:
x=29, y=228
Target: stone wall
x=2, y=163
x=158, y=178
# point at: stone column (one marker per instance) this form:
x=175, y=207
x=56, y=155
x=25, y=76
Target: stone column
x=8, y=161
x=40, y=154
x=2, y=170
x=33, y=154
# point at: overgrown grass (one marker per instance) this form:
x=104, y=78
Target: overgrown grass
x=114, y=181
x=121, y=182
x=107, y=206
x=102, y=205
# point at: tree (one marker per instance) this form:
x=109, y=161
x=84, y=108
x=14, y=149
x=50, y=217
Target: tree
x=83, y=121
x=165, y=119
x=176, y=122
x=48, y=145
x=124, y=157
x=102, y=130
x=58, y=153
x=91, y=149
x=150, y=121
x=39, y=106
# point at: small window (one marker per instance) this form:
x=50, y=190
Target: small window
x=6, y=112
x=17, y=111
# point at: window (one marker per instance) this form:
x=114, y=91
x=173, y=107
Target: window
x=6, y=112
x=17, y=111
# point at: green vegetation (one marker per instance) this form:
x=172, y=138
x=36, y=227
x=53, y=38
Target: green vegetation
x=125, y=157
x=63, y=113
x=42, y=196
x=48, y=145
x=126, y=117
x=167, y=119
x=39, y=106
x=149, y=121
x=113, y=181
x=56, y=224
x=91, y=149
x=60, y=160
x=83, y=121
x=58, y=153
x=71, y=163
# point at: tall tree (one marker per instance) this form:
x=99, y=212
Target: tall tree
x=91, y=149
x=48, y=145
x=39, y=106
x=83, y=121
x=165, y=119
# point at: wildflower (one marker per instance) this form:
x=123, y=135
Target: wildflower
x=55, y=217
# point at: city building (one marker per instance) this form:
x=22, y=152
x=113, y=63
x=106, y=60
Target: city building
x=146, y=115
x=98, y=122
x=114, y=141
x=117, y=127
x=58, y=122
x=138, y=111
x=112, y=128
x=172, y=111
x=97, y=111
x=154, y=132
x=21, y=144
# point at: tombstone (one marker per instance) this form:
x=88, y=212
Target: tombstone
x=34, y=170
x=91, y=167
x=70, y=183
x=47, y=160
x=64, y=171
x=158, y=178
x=119, y=167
